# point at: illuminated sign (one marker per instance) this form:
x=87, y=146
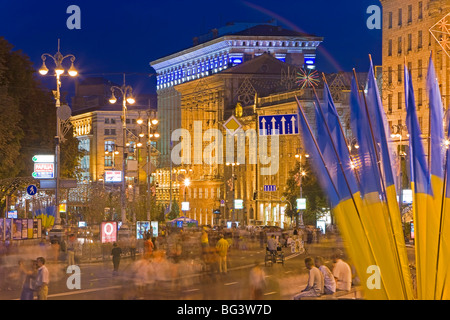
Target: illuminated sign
x=43, y=158
x=141, y=229
x=12, y=214
x=407, y=196
x=44, y=170
x=82, y=224
x=109, y=231
x=239, y=204
x=113, y=176
x=301, y=204
x=185, y=206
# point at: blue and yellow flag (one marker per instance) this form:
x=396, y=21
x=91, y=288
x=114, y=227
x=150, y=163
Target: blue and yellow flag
x=425, y=213
x=437, y=153
x=344, y=204
x=383, y=227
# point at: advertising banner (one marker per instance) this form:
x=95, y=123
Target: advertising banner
x=108, y=231
x=141, y=228
x=17, y=229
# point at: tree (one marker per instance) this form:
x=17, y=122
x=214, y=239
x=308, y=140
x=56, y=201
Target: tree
x=175, y=211
x=311, y=190
x=28, y=114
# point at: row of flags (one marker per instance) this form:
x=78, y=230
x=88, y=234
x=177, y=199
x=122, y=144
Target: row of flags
x=364, y=198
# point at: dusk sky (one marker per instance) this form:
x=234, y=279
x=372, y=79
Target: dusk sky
x=124, y=36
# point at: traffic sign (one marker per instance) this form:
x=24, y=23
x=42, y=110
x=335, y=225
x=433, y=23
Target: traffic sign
x=279, y=124
x=31, y=190
x=43, y=158
x=222, y=203
x=270, y=187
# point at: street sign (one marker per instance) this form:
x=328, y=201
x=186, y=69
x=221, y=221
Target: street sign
x=63, y=183
x=232, y=125
x=46, y=158
x=301, y=203
x=270, y=187
x=239, y=204
x=31, y=190
x=185, y=206
x=222, y=203
x=279, y=124
x=44, y=170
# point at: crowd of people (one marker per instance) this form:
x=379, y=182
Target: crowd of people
x=177, y=252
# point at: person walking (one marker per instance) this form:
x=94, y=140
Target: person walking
x=116, y=253
x=257, y=282
x=42, y=279
x=328, y=278
x=342, y=273
x=315, y=284
x=71, y=250
x=222, y=250
x=29, y=282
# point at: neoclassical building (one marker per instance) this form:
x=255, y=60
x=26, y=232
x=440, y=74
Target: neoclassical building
x=217, y=51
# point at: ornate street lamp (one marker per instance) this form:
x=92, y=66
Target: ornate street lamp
x=58, y=59
x=126, y=93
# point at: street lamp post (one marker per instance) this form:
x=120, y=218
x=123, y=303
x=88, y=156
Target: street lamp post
x=398, y=128
x=127, y=96
x=152, y=135
x=58, y=59
x=301, y=174
x=233, y=177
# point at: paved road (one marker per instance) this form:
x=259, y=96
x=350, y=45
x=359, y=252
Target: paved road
x=186, y=281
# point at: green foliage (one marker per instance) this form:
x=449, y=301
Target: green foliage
x=175, y=212
x=311, y=190
x=28, y=121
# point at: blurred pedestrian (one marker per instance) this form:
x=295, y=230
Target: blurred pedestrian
x=328, y=278
x=222, y=250
x=133, y=247
x=342, y=273
x=314, y=288
x=116, y=253
x=42, y=279
x=28, y=287
x=204, y=239
x=257, y=282
x=71, y=250
x=148, y=247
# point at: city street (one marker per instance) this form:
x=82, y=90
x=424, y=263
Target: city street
x=99, y=283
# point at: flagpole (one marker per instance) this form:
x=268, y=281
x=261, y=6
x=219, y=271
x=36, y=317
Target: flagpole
x=340, y=126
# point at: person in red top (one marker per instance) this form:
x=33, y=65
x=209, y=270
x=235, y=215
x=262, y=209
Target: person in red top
x=148, y=248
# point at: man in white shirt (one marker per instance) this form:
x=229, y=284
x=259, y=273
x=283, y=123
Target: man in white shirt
x=342, y=273
x=314, y=288
x=42, y=279
x=328, y=278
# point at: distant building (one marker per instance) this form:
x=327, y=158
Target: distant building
x=407, y=38
x=97, y=125
x=217, y=51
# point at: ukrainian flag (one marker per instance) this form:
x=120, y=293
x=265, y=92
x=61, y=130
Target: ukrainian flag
x=345, y=205
x=437, y=152
x=425, y=213
x=382, y=225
